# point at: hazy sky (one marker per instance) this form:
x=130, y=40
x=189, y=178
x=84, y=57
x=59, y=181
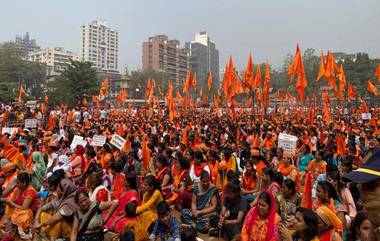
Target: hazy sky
x=268, y=28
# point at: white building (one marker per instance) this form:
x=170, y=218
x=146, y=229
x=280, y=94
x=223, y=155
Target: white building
x=54, y=58
x=99, y=45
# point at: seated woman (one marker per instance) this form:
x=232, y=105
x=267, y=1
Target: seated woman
x=88, y=221
x=118, y=179
x=250, y=182
x=362, y=228
x=288, y=202
x=97, y=192
x=271, y=181
x=182, y=186
x=329, y=225
x=233, y=212
x=129, y=195
x=262, y=221
x=146, y=212
x=289, y=171
x=22, y=204
x=54, y=218
x=163, y=174
x=305, y=226
x=205, y=205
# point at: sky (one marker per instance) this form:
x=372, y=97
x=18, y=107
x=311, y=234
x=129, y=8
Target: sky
x=269, y=29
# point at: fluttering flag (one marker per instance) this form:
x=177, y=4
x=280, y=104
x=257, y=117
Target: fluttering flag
x=225, y=81
x=148, y=89
x=122, y=97
x=377, y=73
x=145, y=153
x=171, y=104
x=248, y=74
x=105, y=87
x=21, y=93
x=209, y=82
x=297, y=67
x=188, y=82
x=372, y=88
x=351, y=92
x=342, y=83
x=266, y=85
x=326, y=106
x=322, y=67
x=257, y=78
x=331, y=70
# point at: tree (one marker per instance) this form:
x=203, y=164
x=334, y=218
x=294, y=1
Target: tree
x=77, y=80
x=14, y=71
x=139, y=79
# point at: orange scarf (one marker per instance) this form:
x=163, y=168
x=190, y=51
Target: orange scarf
x=159, y=174
x=199, y=169
x=248, y=182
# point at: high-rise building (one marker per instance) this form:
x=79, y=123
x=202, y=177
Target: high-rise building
x=26, y=44
x=204, y=58
x=99, y=45
x=54, y=58
x=166, y=56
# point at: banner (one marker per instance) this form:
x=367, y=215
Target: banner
x=118, y=141
x=98, y=140
x=9, y=130
x=366, y=116
x=30, y=123
x=288, y=143
x=77, y=140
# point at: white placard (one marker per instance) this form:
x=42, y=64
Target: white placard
x=9, y=130
x=366, y=116
x=30, y=123
x=77, y=140
x=118, y=141
x=98, y=140
x=288, y=143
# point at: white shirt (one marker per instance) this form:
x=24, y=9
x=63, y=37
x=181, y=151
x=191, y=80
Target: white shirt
x=194, y=177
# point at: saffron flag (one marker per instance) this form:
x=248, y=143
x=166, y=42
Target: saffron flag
x=21, y=93
x=148, y=89
x=209, y=82
x=248, y=73
x=322, y=67
x=372, y=88
x=297, y=67
x=351, y=92
x=105, y=87
x=257, y=78
x=377, y=72
x=266, y=85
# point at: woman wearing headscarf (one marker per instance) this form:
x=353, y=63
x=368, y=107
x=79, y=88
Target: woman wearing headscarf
x=38, y=170
x=262, y=221
x=56, y=224
x=329, y=225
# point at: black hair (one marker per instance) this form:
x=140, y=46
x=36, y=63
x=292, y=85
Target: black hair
x=311, y=220
x=184, y=163
x=96, y=179
x=331, y=167
x=274, y=175
x=307, y=148
x=357, y=222
x=131, y=178
x=162, y=208
x=336, y=176
x=127, y=236
x=162, y=160
x=130, y=210
x=204, y=174
x=329, y=188
x=291, y=185
x=79, y=193
x=232, y=177
x=233, y=187
x=198, y=155
x=55, y=179
x=24, y=178
x=189, y=234
x=117, y=166
x=152, y=181
x=107, y=148
x=266, y=197
x=91, y=153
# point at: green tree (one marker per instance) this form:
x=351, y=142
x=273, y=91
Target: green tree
x=139, y=79
x=77, y=80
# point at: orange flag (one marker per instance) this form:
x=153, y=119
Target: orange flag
x=351, y=92
x=194, y=82
x=184, y=136
x=216, y=104
x=95, y=100
x=322, y=67
x=326, y=106
x=188, y=82
x=209, y=82
x=372, y=88
x=331, y=70
x=297, y=67
x=21, y=93
x=294, y=66
x=377, y=72
x=148, y=89
x=342, y=83
x=248, y=73
x=105, y=87
x=258, y=78
x=145, y=153
x=278, y=95
x=266, y=85
x=171, y=104
x=225, y=81
x=341, y=146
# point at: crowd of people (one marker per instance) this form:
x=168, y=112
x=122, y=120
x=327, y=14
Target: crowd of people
x=203, y=175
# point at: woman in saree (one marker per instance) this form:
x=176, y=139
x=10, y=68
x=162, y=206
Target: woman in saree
x=129, y=194
x=329, y=225
x=88, y=221
x=250, y=182
x=162, y=172
x=118, y=179
x=270, y=181
x=262, y=221
x=305, y=226
x=22, y=204
x=288, y=202
x=98, y=192
x=54, y=218
x=147, y=211
x=205, y=205
x=289, y=171
x=182, y=186
x=38, y=170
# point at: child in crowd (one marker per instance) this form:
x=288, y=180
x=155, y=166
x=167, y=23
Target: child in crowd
x=166, y=227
